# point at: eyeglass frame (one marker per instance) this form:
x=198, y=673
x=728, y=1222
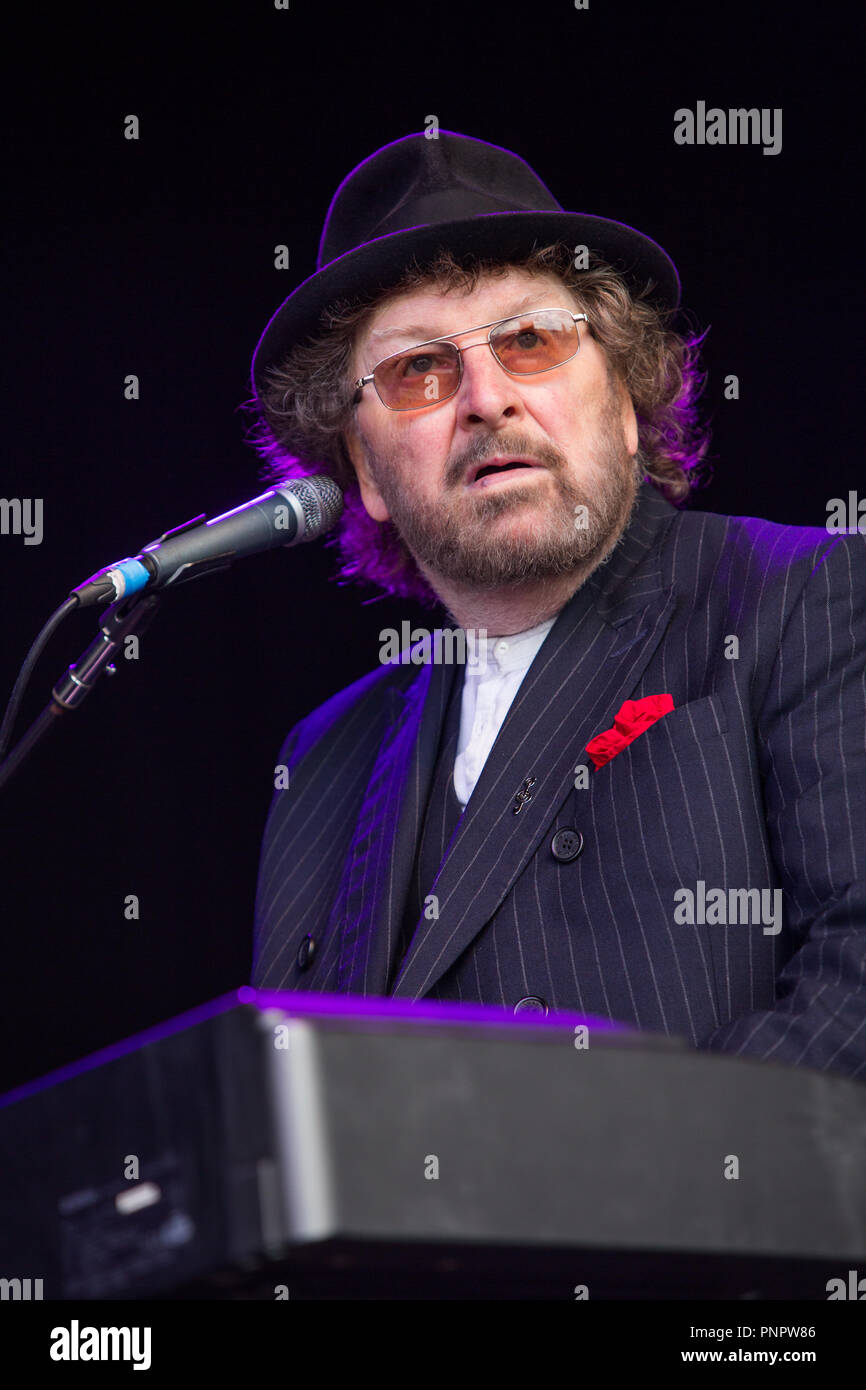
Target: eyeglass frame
x=447, y=337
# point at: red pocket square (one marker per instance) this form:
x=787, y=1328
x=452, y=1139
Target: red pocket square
x=628, y=724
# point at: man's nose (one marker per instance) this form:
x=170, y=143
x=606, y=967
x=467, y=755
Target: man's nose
x=487, y=391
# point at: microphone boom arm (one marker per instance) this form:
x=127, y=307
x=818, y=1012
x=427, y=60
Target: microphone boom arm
x=126, y=616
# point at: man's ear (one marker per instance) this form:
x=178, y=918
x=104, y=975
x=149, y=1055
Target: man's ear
x=629, y=423
x=627, y=413
x=370, y=495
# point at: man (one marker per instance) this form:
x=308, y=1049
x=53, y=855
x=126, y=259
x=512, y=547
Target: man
x=645, y=799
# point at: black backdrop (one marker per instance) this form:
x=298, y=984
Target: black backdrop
x=155, y=257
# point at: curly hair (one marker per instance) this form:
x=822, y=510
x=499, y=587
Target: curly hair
x=309, y=397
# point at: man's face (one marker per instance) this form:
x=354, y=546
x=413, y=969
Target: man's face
x=418, y=468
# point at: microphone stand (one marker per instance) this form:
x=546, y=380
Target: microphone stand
x=126, y=616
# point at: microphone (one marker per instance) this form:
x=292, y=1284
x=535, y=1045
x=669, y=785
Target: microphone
x=302, y=510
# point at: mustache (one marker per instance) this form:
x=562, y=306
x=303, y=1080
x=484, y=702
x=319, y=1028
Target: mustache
x=516, y=446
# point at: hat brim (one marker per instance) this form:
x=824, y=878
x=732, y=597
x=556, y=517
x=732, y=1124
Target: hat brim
x=379, y=264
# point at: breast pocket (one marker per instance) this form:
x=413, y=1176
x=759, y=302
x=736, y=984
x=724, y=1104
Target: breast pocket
x=683, y=735
x=668, y=796
x=700, y=724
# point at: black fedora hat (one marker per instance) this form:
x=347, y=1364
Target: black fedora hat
x=418, y=194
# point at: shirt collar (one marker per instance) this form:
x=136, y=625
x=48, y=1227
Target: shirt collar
x=499, y=655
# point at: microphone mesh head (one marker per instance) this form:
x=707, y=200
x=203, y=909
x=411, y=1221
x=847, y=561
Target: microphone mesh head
x=321, y=502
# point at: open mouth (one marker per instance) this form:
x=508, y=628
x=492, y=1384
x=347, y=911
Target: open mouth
x=490, y=468
x=499, y=468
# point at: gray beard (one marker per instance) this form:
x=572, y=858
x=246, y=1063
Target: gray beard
x=453, y=539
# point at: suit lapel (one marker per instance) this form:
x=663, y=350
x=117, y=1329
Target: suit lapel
x=380, y=860
x=591, y=661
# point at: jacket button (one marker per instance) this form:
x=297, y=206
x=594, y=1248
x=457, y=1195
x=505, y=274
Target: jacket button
x=566, y=845
x=306, y=951
x=530, y=1005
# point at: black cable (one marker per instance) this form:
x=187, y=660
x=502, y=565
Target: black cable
x=26, y=671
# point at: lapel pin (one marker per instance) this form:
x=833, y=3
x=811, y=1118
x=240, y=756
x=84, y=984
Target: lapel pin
x=523, y=796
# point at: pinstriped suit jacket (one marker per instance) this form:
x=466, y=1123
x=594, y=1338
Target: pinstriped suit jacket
x=757, y=779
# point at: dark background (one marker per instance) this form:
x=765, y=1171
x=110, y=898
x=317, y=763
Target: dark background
x=156, y=258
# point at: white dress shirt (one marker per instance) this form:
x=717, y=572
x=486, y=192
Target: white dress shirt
x=488, y=690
